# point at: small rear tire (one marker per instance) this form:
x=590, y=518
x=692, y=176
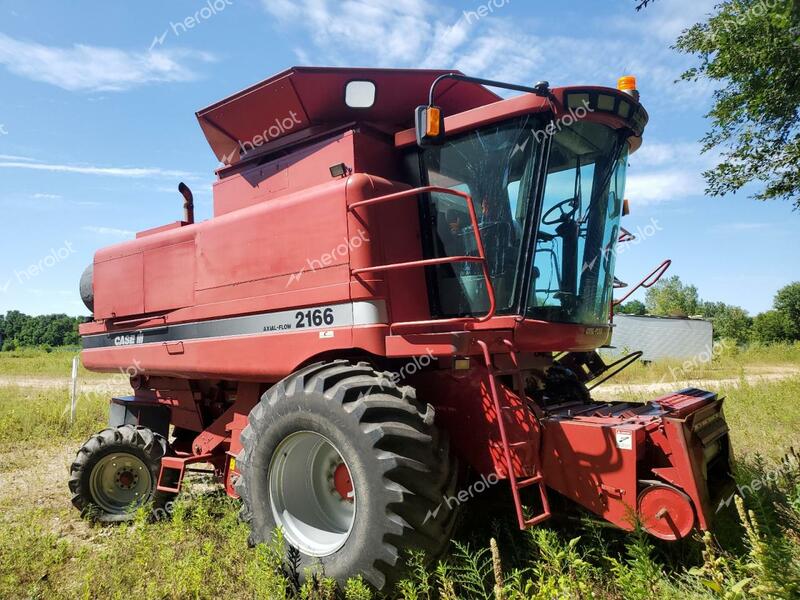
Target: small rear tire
x=116, y=471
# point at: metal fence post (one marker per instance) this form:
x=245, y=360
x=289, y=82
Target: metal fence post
x=74, y=393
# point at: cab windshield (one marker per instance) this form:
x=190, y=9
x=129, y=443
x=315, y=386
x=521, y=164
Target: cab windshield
x=573, y=266
x=550, y=254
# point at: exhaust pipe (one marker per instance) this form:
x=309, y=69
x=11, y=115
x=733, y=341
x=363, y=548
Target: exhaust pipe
x=188, y=203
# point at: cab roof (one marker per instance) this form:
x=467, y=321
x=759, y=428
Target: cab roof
x=305, y=99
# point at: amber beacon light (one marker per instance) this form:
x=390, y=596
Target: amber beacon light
x=627, y=83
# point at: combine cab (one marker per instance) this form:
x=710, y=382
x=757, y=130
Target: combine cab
x=400, y=293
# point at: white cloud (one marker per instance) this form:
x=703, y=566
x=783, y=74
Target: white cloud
x=95, y=68
x=415, y=33
x=661, y=172
x=388, y=31
x=109, y=231
x=665, y=19
x=16, y=158
x=660, y=153
x=93, y=170
x=40, y=196
x=664, y=185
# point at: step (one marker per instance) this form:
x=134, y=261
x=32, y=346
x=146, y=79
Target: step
x=523, y=483
x=520, y=444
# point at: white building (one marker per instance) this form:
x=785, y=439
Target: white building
x=661, y=337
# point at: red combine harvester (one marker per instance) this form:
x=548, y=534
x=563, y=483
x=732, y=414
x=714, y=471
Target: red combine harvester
x=401, y=293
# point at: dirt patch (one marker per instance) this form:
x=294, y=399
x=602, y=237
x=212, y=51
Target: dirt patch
x=42, y=485
x=609, y=391
x=112, y=386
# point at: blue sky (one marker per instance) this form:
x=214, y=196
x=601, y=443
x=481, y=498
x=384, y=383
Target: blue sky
x=97, y=125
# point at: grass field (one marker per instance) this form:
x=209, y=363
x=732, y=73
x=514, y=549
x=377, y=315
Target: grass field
x=47, y=551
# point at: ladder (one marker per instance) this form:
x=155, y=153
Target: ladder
x=534, y=434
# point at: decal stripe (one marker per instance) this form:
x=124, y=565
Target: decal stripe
x=313, y=318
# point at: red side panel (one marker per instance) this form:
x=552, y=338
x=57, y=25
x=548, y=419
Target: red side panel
x=584, y=462
x=119, y=286
x=303, y=169
x=169, y=273
x=283, y=245
x=464, y=407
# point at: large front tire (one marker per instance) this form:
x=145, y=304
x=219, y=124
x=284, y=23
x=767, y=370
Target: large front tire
x=351, y=467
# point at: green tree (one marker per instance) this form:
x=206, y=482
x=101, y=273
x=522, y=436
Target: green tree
x=634, y=307
x=51, y=330
x=771, y=327
x=787, y=301
x=751, y=50
x=671, y=298
x=711, y=309
x=732, y=322
x=14, y=322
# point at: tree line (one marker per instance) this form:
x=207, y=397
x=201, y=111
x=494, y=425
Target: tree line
x=18, y=329
x=672, y=298
x=668, y=298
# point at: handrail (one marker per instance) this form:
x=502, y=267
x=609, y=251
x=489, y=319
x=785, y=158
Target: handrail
x=628, y=360
x=656, y=274
x=481, y=258
x=625, y=236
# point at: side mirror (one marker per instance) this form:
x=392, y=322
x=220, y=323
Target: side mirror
x=626, y=208
x=429, y=125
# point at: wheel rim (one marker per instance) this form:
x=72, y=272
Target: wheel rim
x=311, y=494
x=119, y=482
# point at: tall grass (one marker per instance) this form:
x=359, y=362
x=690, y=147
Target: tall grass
x=755, y=552
x=764, y=418
x=202, y=550
x=38, y=362
x=725, y=361
x=42, y=416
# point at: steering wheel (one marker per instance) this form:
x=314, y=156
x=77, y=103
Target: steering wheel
x=562, y=215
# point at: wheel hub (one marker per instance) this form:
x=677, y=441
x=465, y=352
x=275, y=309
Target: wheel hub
x=126, y=479
x=312, y=496
x=666, y=512
x=342, y=483
x=119, y=482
